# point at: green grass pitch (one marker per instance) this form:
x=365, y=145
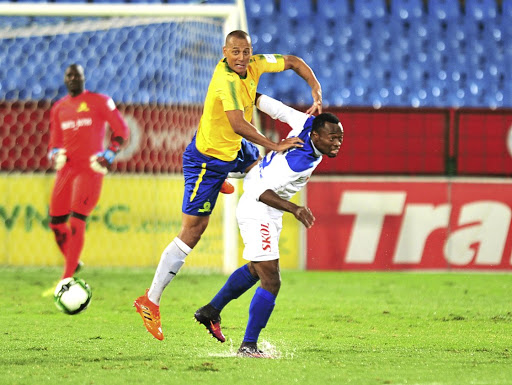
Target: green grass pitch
x=327, y=328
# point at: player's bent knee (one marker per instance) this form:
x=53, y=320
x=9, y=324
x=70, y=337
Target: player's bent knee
x=272, y=286
x=270, y=277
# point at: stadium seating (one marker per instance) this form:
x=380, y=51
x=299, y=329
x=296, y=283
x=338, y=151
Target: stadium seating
x=295, y=9
x=333, y=9
x=370, y=9
x=257, y=10
x=405, y=9
x=481, y=9
x=506, y=6
x=387, y=52
x=444, y=9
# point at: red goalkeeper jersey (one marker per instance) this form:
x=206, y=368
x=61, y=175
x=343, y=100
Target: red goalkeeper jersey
x=78, y=124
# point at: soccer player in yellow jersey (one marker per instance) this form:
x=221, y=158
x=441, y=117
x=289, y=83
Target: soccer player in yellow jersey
x=224, y=142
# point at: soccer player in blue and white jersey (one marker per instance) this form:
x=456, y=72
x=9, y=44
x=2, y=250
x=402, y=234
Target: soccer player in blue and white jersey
x=268, y=188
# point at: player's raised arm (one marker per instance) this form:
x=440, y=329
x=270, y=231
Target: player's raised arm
x=245, y=129
x=278, y=110
x=305, y=72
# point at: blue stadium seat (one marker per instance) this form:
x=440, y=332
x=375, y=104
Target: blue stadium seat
x=266, y=36
x=296, y=9
x=444, y=9
x=305, y=35
x=370, y=9
x=406, y=9
x=505, y=27
x=146, y=1
x=260, y=9
x=506, y=9
x=14, y=21
x=216, y=1
x=381, y=33
x=333, y=9
x=481, y=9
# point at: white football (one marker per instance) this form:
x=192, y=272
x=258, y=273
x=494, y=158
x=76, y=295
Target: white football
x=72, y=295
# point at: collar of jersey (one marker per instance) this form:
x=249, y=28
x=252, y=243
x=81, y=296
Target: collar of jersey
x=230, y=70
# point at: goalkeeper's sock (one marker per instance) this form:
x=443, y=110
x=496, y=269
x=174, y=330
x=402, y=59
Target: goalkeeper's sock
x=261, y=308
x=238, y=283
x=62, y=233
x=170, y=263
x=76, y=243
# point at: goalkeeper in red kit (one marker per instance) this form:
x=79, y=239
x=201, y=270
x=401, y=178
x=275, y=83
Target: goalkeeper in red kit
x=77, y=130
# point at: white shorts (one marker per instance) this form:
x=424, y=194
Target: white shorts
x=261, y=238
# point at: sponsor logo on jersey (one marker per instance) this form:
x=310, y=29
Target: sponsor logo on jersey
x=265, y=237
x=83, y=107
x=270, y=58
x=76, y=124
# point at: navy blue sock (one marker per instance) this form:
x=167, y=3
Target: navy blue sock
x=238, y=283
x=260, y=310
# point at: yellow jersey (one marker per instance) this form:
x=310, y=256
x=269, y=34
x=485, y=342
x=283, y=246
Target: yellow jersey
x=228, y=91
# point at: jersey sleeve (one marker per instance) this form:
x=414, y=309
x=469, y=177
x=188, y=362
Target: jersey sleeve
x=115, y=120
x=228, y=90
x=268, y=63
x=280, y=111
x=55, y=131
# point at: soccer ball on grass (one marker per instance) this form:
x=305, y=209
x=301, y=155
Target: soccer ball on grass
x=72, y=295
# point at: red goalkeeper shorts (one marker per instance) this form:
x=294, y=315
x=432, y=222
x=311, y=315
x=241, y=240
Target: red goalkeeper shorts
x=76, y=189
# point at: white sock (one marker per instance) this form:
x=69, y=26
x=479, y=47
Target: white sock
x=236, y=175
x=170, y=263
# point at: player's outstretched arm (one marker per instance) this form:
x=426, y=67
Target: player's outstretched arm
x=278, y=110
x=305, y=72
x=303, y=214
x=245, y=129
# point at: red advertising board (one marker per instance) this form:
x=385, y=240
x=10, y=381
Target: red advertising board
x=484, y=142
x=390, y=141
x=397, y=224
x=387, y=141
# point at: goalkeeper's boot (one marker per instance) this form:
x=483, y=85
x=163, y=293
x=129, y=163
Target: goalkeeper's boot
x=250, y=349
x=227, y=188
x=210, y=318
x=150, y=314
x=79, y=266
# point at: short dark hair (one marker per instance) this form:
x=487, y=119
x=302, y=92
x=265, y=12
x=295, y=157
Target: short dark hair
x=239, y=34
x=320, y=120
x=77, y=66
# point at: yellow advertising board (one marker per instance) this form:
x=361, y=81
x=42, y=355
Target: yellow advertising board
x=136, y=218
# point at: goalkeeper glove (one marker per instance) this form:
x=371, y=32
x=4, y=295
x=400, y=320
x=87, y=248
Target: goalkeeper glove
x=58, y=157
x=102, y=161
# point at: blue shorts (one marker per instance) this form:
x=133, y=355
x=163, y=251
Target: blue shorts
x=204, y=176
